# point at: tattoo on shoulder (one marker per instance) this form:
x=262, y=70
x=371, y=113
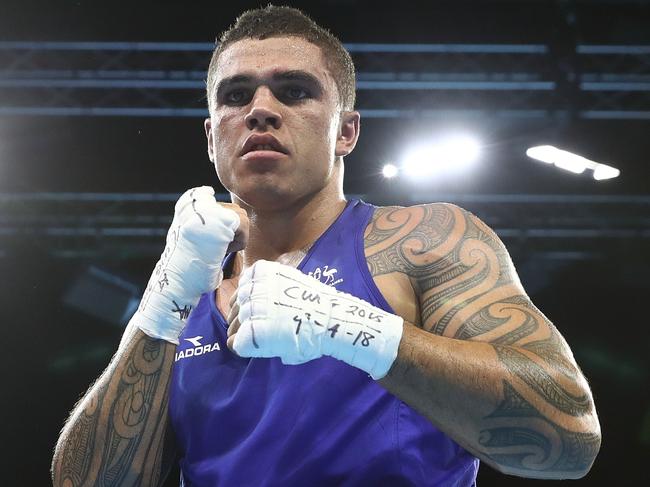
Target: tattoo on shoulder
x=450, y=257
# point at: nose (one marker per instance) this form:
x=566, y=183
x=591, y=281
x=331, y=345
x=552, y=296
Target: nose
x=264, y=111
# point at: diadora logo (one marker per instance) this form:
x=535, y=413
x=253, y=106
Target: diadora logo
x=326, y=275
x=194, y=341
x=198, y=349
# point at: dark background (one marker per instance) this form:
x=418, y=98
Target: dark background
x=593, y=288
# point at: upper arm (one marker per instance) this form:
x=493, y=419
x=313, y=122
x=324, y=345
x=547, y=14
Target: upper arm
x=466, y=288
x=464, y=282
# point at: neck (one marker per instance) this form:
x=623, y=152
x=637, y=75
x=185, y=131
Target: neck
x=282, y=233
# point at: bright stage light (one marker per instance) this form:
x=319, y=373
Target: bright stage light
x=543, y=153
x=561, y=158
x=603, y=171
x=389, y=171
x=571, y=162
x=449, y=155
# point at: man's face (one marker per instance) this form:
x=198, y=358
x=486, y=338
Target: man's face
x=275, y=126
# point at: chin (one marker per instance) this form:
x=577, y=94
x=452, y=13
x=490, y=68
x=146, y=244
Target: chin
x=267, y=197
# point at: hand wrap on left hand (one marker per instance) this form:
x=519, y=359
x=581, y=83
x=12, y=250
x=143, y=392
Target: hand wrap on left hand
x=285, y=313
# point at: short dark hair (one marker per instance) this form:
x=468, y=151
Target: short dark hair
x=272, y=21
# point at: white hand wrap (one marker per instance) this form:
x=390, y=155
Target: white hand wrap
x=189, y=266
x=285, y=313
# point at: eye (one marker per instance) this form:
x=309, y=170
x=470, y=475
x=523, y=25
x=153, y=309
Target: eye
x=235, y=97
x=296, y=93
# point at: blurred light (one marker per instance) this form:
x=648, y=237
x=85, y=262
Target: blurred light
x=603, y=171
x=571, y=162
x=389, y=171
x=544, y=153
x=451, y=154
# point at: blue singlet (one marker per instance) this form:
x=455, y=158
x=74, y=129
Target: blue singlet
x=256, y=422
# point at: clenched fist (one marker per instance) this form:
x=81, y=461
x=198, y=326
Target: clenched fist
x=201, y=233
x=281, y=312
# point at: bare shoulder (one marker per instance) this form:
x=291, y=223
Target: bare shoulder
x=450, y=257
x=408, y=239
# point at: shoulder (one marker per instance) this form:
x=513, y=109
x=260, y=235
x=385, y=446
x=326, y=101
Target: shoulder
x=406, y=239
x=432, y=229
x=430, y=218
x=454, y=262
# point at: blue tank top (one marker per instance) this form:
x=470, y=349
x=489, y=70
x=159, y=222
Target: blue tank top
x=257, y=422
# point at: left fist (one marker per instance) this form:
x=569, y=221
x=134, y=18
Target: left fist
x=281, y=312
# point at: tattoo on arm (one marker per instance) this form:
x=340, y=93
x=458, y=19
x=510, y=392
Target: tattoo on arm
x=513, y=441
x=119, y=437
x=468, y=289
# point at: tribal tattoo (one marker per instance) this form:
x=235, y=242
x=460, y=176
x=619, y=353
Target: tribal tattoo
x=468, y=289
x=130, y=448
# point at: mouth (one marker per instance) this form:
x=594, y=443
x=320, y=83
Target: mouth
x=263, y=156
x=264, y=145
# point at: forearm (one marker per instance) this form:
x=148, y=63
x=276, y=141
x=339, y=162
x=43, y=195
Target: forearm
x=118, y=433
x=501, y=403
x=115, y=434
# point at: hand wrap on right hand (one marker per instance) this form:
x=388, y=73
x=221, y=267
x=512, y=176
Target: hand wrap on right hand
x=287, y=314
x=189, y=266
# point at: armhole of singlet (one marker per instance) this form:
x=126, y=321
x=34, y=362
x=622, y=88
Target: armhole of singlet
x=228, y=264
x=381, y=301
x=362, y=264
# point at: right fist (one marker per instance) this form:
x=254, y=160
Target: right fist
x=200, y=234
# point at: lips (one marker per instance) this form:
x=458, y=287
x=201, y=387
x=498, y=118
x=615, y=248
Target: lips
x=262, y=142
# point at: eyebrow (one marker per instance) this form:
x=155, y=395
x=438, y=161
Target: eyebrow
x=294, y=75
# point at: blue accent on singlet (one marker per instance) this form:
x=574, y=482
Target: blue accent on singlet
x=257, y=422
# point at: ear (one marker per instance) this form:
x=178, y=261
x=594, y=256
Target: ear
x=348, y=133
x=207, y=124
